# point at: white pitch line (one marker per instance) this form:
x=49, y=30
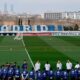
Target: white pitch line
x=27, y=53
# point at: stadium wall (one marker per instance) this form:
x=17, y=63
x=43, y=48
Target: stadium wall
x=38, y=30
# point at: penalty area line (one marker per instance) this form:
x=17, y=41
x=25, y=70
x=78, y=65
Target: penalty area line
x=27, y=53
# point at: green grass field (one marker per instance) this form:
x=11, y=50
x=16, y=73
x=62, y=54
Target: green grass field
x=40, y=48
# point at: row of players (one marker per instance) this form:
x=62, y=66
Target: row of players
x=12, y=71
x=47, y=66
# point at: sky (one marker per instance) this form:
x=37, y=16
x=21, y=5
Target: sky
x=41, y=6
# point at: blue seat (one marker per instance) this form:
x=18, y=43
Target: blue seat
x=0, y=27
x=21, y=28
x=60, y=28
x=51, y=27
x=38, y=28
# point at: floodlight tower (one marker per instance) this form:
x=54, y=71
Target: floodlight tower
x=12, y=8
x=5, y=8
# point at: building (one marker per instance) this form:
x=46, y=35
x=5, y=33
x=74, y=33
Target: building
x=71, y=15
x=58, y=18
x=61, y=15
x=53, y=16
x=77, y=15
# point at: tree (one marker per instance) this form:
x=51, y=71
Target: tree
x=71, y=28
x=19, y=21
x=28, y=21
x=66, y=28
x=76, y=27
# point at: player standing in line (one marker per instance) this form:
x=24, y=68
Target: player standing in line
x=64, y=75
x=51, y=74
x=4, y=72
x=47, y=67
x=24, y=75
x=72, y=74
x=58, y=74
x=14, y=65
x=76, y=74
x=38, y=75
x=59, y=65
x=24, y=65
x=17, y=73
x=10, y=73
x=44, y=75
x=68, y=66
x=37, y=66
x=77, y=66
x=32, y=74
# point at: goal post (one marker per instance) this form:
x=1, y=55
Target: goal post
x=19, y=36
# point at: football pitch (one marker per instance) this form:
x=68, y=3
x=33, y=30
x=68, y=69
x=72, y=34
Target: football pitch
x=44, y=49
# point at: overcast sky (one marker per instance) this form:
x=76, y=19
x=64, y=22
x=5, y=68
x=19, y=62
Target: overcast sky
x=41, y=6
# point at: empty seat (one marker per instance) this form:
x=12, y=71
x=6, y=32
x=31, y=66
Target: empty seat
x=60, y=28
x=51, y=27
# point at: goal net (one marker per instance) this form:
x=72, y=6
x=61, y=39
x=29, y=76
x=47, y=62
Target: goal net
x=19, y=36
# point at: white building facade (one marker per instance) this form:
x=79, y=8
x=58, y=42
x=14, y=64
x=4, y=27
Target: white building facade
x=62, y=15
x=71, y=15
x=53, y=16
